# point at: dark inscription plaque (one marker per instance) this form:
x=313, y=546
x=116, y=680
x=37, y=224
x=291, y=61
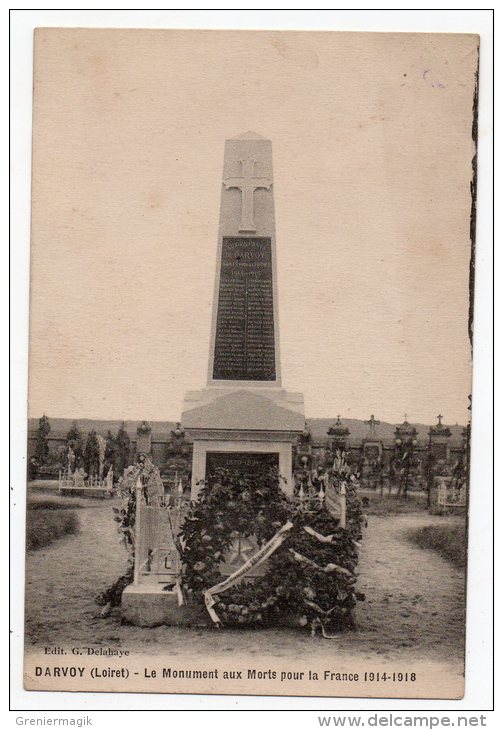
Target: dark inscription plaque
x=244, y=336
x=372, y=452
x=439, y=451
x=242, y=463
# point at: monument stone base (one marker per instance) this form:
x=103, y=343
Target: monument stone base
x=243, y=421
x=150, y=605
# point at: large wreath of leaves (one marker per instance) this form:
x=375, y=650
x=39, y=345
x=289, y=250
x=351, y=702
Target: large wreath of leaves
x=228, y=505
x=295, y=592
x=317, y=591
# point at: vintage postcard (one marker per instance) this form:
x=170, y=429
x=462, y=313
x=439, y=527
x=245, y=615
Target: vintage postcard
x=252, y=269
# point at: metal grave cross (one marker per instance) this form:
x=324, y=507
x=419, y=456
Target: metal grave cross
x=247, y=183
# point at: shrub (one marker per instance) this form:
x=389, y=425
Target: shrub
x=44, y=526
x=448, y=540
x=49, y=502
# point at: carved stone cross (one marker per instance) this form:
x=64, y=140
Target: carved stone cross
x=440, y=416
x=247, y=183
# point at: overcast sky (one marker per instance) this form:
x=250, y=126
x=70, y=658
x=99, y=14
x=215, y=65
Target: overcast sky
x=372, y=157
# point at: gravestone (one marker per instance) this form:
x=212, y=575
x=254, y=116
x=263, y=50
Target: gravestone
x=439, y=441
x=372, y=450
x=338, y=436
x=144, y=438
x=243, y=418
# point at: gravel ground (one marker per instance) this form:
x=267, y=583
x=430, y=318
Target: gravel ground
x=414, y=609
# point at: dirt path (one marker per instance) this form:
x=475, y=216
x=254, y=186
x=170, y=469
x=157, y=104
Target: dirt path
x=415, y=597
x=414, y=608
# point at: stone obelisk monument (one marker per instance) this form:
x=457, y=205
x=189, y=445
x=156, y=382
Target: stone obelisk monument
x=243, y=419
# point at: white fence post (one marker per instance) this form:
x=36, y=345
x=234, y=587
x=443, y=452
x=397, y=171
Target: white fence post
x=137, y=532
x=343, y=505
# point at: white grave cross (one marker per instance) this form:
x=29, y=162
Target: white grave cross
x=247, y=183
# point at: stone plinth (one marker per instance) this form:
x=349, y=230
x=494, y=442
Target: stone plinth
x=243, y=422
x=150, y=605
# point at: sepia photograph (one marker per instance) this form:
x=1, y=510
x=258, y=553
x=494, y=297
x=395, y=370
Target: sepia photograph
x=250, y=362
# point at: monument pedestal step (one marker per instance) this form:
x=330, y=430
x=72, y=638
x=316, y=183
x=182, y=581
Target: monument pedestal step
x=150, y=605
